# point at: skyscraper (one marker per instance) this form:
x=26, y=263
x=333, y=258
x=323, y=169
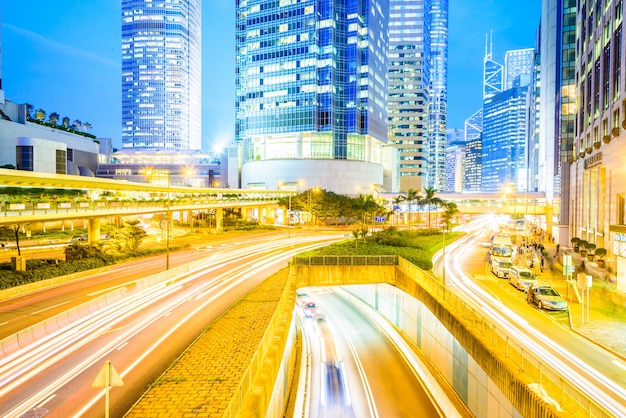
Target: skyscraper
x=311, y=93
x=492, y=73
x=409, y=84
x=518, y=64
x=161, y=74
x=438, y=103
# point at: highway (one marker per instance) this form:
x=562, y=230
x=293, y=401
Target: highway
x=141, y=333
x=546, y=336
x=356, y=367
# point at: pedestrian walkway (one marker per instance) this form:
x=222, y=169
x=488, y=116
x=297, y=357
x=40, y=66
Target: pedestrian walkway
x=606, y=324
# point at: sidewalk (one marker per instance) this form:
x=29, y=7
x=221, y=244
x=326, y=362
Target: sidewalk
x=607, y=311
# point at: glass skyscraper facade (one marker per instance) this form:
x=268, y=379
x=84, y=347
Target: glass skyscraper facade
x=438, y=103
x=492, y=73
x=518, y=65
x=311, y=87
x=409, y=84
x=161, y=74
x=504, y=139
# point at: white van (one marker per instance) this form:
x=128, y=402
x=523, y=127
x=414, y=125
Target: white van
x=522, y=278
x=500, y=266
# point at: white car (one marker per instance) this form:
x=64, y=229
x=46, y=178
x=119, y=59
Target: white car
x=521, y=277
x=500, y=266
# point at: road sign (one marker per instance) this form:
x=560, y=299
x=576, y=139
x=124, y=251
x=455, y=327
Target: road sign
x=107, y=377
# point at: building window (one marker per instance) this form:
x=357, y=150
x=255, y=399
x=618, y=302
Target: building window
x=620, y=209
x=61, y=162
x=24, y=158
x=70, y=154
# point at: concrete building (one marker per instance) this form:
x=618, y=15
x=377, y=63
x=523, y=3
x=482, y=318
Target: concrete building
x=598, y=173
x=311, y=93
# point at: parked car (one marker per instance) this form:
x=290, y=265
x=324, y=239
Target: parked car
x=522, y=278
x=546, y=297
x=500, y=266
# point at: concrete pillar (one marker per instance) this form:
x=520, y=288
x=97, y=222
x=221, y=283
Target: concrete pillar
x=270, y=215
x=93, y=231
x=219, y=219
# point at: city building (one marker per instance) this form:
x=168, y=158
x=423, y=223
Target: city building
x=311, y=93
x=161, y=74
x=472, y=163
x=438, y=100
x=492, y=72
x=504, y=140
x=409, y=89
x=558, y=100
x=518, y=63
x=597, y=198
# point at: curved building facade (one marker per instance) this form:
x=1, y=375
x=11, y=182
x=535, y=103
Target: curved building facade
x=161, y=74
x=311, y=86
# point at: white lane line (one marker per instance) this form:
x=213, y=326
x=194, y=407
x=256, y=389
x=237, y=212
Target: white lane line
x=50, y=307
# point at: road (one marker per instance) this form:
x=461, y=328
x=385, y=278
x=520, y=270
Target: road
x=347, y=351
x=546, y=335
x=141, y=334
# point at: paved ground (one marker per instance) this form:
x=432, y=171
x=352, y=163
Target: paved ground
x=607, y=312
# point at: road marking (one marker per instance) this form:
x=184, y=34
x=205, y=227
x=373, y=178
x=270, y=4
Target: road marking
x=50, y=307
x=481, y=277
x=45, y=401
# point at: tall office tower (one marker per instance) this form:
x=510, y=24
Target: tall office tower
x=455, y=150
x=472, y=164
x=518, y=63
x=598, y=178
x=161, y=74
x=534, y=162
x=1, y=88
x=311, y=93
x=504, y=139
x=559, y=102
x=438, y=102
x=409, y=84
x=492, y=73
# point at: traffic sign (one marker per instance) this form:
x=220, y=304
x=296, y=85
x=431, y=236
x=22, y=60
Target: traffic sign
x=107, y=377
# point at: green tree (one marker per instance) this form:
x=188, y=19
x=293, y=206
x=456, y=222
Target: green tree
x=450, y=212
x=29, y=110
x=397, y=201
x=77, y=124
x=53, y=118
x=129, y=237
x=86, y=126
x=431, y=200
x=65, y=122
x=412, y=196
x=40, y=114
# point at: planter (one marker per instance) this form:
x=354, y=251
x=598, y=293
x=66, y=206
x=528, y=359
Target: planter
x=590, y=256
x=576, y=248
x=589, y=150
x=583, y=252
x=600, y=263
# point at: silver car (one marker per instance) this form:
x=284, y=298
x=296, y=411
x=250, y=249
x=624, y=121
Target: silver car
x=522, y=278
x=546, y=297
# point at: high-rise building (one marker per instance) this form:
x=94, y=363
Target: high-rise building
x=518, y=65
x=311, y=93
x=472, y=163
x=418, y=52
x=504, y=140
x=492, y=72
x=409, y=88
x=559, y=102
x=597, y=177
x=438, y=102
x=161, y=74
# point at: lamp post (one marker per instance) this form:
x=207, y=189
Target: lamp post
x=167, y=225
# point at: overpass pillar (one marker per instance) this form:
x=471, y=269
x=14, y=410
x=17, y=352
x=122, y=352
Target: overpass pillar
x=93, y=231
x=219, y=219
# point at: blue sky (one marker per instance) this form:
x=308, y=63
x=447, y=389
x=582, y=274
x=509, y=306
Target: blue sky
x=66, y=58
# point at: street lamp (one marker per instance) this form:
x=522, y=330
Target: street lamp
x=167, y=214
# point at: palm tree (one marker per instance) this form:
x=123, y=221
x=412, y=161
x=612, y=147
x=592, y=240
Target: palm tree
x=40, y=114
x=449, y=213
x=86, y=126
x=29, y=110
x=397, y=201
x=53, y=118
x=76, y=124
x=411, y=196
x=65, y=122
x=430, y=200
